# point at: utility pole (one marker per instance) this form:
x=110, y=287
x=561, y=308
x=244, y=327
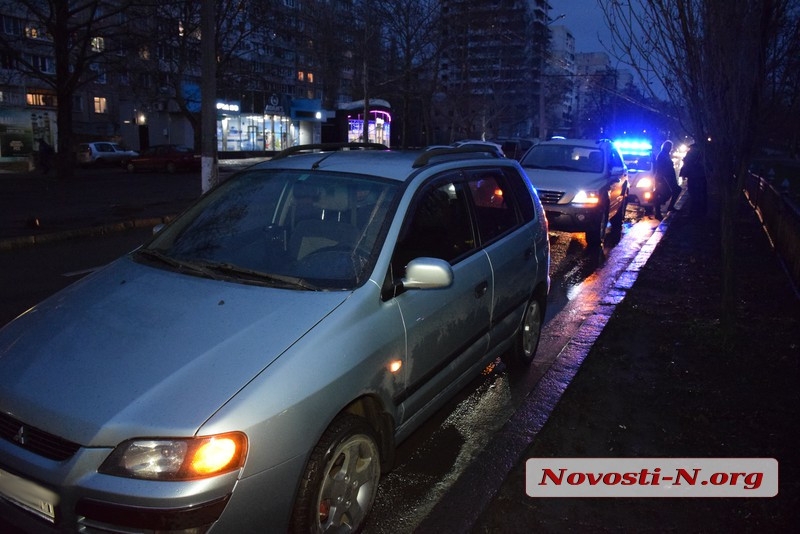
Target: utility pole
x=208, y=91
x=365, y=74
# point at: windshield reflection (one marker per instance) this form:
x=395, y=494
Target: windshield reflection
x=300, y=229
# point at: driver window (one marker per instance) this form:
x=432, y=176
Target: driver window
x=439, y=227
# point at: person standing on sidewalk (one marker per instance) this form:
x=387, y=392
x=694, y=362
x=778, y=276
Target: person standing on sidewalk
x=667, y=187
x=693, y=169
x=45, y=156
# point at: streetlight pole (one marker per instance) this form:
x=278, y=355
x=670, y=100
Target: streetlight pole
x=542, y=64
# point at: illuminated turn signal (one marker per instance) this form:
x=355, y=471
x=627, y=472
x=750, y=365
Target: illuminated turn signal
x=214, y=455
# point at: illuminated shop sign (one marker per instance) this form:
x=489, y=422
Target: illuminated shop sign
x=228, y=106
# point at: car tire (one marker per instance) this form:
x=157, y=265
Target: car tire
x=341, y=479
x=597, y=231
x=530, y=332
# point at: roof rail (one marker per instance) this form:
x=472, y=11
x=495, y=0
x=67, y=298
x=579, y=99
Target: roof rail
x=327, y=147
x=428, y=155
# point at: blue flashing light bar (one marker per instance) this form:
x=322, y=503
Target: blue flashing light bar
x=634, y=147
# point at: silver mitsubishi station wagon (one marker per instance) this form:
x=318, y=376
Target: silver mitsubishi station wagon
x=253, y=366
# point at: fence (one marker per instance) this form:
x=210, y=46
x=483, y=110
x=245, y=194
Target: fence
x=781, y=218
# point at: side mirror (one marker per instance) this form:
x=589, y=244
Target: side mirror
x=428, y=273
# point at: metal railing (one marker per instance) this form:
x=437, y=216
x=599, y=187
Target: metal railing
x=781, y=219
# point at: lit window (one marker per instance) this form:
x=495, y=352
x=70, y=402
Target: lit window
x=31, y=32
x=98, y=44
x=310, y=77
x=100, y=104
x=40, y=99
x=301, y=76
x=144, y=53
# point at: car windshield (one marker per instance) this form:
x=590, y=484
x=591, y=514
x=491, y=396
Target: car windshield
x=638, y=162
x=564, y=158
x=286, y=228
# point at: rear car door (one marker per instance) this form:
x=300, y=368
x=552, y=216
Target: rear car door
x=506, y=235
x=447, y=329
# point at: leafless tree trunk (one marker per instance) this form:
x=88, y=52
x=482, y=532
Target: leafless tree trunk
x=81, y=40
x=712, y=59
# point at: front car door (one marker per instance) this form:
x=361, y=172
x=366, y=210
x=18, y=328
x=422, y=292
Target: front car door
x=447, y=329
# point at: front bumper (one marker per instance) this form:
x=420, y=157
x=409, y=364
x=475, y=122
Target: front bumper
x=571, y=218
x=39, y=495
x=644, y=198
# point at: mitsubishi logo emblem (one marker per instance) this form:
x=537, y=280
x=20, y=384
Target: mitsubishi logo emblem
x=19, y=437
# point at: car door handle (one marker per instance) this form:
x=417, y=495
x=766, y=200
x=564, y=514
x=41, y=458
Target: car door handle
x=481, y=289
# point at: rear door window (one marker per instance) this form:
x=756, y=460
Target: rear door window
x=493, y=200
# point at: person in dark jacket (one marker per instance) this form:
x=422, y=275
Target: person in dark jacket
x=694, y=171
x=45, y=156
x=667, y=187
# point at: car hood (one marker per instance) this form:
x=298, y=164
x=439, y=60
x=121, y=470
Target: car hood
x=133, y=350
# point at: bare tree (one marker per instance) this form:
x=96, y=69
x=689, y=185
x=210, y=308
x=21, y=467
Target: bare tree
x=61, y=47
x=411, y=43
x=714, y=60
x=166, y=56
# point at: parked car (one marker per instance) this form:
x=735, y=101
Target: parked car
x=169, y=158
x=481, y=144
x=583, y=184
x=640, y=160
x=515, y=147
x=279, y=338
x=104, y=153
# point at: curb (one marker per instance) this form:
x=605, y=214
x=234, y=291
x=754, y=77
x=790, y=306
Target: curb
x=13, y=243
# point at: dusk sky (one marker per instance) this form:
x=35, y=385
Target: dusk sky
x=584, y=18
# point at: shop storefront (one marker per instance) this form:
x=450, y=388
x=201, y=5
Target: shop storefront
x=378, y=126
x=277, y=128
x=20, y=130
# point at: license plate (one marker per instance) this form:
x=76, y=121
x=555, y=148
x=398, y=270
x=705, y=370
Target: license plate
x=32, y=497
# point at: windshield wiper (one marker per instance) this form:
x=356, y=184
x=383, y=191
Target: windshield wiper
x=244, y=273
x=562, y=168
x=179, y=265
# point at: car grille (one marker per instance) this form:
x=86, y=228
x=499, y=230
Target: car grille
x=35, y=440
x=550, y=197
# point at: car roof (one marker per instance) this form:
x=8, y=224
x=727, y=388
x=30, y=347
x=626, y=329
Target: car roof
x=589, y=143
x=376, y=160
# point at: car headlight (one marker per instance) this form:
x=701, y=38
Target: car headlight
x=646, y=182
x=584, y=197
x=178, y=458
